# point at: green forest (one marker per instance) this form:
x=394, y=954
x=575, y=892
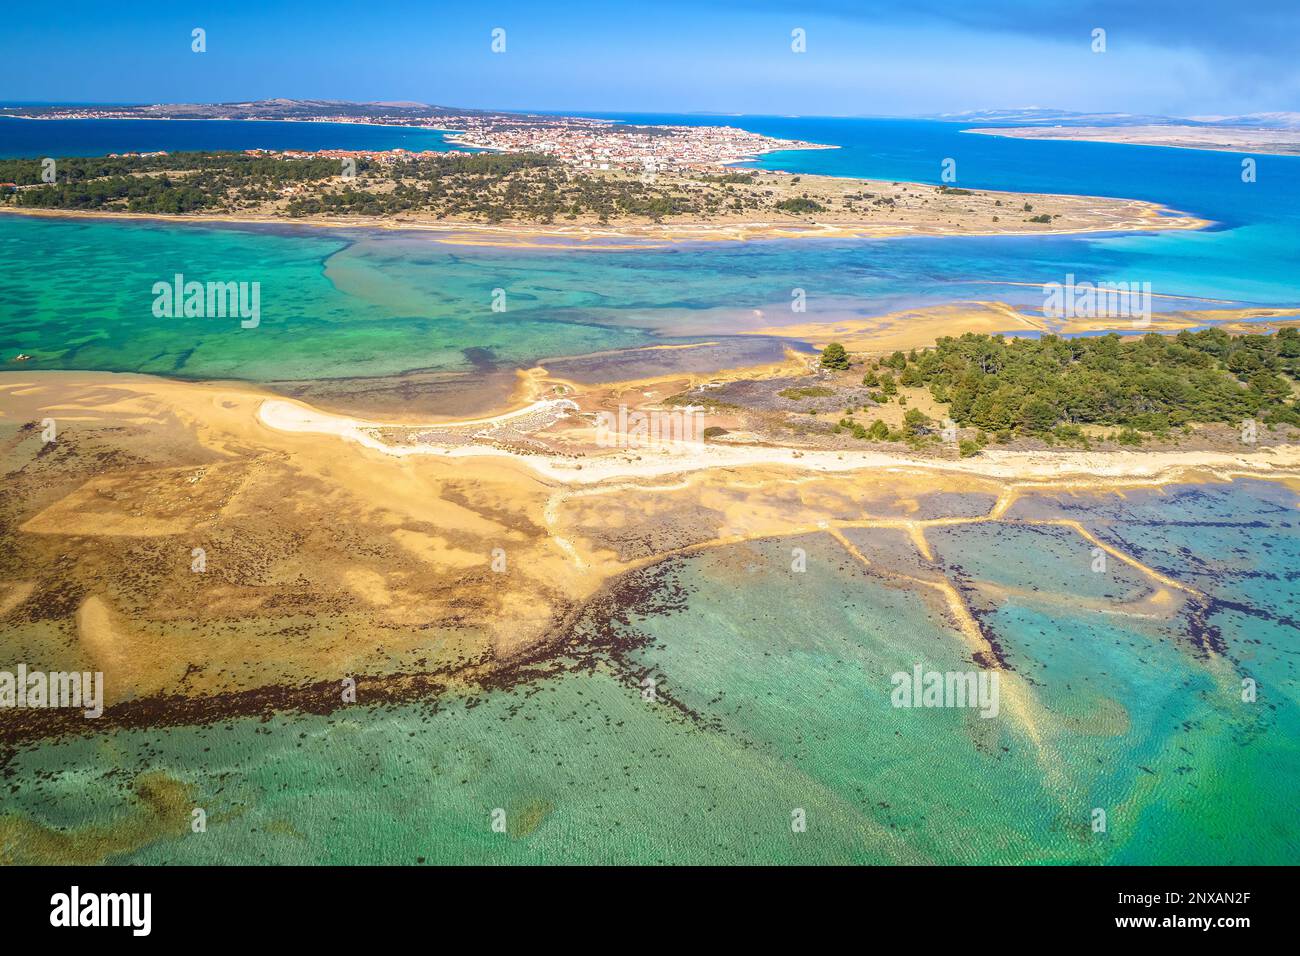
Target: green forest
x=485, y=187
x=1150, y=383
x=163, y=183
x=1051, y=386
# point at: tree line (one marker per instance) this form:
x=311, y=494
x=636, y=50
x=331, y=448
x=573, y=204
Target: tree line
x=1053, y=385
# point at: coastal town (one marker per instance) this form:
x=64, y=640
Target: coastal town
x=581, y=142
x=601, y=144
x=587, y=144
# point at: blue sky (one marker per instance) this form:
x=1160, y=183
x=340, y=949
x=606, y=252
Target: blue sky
x=864, y=57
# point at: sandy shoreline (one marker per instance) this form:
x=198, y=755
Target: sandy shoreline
x=920, y=328
x=336, y=545
x=1125, y=216
x=259, y=413
x=677, y=458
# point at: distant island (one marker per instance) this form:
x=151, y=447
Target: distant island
x=1276, y=133
x=389, y=113
x=1281, y=142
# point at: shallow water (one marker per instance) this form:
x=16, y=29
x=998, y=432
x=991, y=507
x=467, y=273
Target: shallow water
x=774, y=696
x=343, y=303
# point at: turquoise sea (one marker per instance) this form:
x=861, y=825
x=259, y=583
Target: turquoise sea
x=775, y=698
x=77, y=294
x=775, y=695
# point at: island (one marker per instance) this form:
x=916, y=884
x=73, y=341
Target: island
x=562, y=194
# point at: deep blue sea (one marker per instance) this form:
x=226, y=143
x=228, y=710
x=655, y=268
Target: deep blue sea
x=1250, y=254
x=1200, y=181
x=31, y=138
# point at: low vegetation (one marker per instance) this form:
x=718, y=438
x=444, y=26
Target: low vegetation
x=806, y=391
x=483, y=187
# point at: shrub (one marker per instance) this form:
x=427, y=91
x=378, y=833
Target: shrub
x=800, y=204
x=834, y=356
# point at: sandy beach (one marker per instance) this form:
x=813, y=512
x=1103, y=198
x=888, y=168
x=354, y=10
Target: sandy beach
x=385, y=530
x=676, y=458
x=918, y=328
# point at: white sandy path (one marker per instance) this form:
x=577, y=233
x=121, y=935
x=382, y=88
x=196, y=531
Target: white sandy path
x=676, y=458
x=296, y=417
